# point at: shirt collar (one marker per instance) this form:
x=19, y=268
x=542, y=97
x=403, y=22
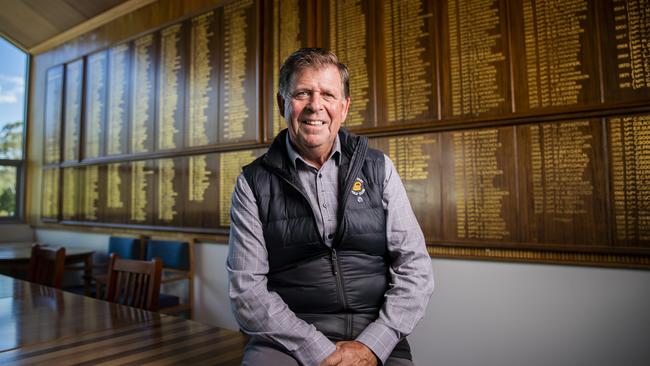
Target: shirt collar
x=294, y=155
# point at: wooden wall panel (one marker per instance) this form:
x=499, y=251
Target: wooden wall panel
x=562, y=179
x=201, y=194
x=626, y=56
x=74, y=73
x=405, y=60
x=94, y=122
x=555, y=54
x=172, y=63
x=143, y=94
x=629, y=149
x=203, y=82
x=518, y=127
x=114, y=193
x=142, y=198
x=119, y=74
x=240, y=97
x=475, y=74
x=479, y=196
x=53, y=115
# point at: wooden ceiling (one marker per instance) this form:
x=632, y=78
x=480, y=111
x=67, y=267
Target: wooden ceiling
x=37, y=25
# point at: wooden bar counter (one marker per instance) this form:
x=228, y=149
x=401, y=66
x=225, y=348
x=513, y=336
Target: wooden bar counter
x=42, y=325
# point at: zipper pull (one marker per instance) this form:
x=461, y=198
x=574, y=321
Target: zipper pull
x=334, y=271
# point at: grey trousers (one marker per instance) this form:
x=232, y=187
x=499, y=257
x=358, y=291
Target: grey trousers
x=258, y=353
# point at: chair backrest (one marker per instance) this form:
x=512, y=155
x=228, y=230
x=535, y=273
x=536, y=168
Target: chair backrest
x=125, y=247
x=178, y=267
x=134, y=282
x=46, y=265
x=174, y=254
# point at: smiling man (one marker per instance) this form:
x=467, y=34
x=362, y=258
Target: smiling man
x=327, y=263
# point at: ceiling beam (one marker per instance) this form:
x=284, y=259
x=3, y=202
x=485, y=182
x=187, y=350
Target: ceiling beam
x=90, y=24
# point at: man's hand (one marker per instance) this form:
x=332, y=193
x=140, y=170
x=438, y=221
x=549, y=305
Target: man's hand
x=351, y=353
x=333, y=359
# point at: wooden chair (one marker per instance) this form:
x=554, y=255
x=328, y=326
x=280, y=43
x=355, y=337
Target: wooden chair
x=46, y=265
x=125, y=248
x=134, y=283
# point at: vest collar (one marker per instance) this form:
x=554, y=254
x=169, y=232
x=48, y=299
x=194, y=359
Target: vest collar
x=278, y=157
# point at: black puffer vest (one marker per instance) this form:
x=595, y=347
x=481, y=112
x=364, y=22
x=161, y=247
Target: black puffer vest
x=339, y=290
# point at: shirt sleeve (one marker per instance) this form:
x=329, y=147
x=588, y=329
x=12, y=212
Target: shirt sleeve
x=410, y=271
x=262, y=313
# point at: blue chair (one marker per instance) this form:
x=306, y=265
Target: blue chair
x=125, y=248
x=177, y=259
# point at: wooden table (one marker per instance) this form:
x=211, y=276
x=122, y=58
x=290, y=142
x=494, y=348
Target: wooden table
x=42, y=325
x=15, y=256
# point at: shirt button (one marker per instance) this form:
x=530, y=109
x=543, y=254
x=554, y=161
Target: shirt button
x=330, y=236
x=325, y=205
x=320, y=175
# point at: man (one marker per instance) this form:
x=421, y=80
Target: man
x=327, y=263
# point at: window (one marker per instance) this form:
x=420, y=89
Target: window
x=13, y=72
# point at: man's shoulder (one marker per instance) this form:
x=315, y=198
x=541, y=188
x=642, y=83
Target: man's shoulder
x=255, y=167
x=375, y=155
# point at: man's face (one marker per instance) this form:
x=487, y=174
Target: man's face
x=315, y=109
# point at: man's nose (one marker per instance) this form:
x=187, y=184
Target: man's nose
x=315, y=102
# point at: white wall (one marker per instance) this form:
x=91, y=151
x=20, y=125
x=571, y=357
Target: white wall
x=500, y=314
x=487, y=313
x=16, y=233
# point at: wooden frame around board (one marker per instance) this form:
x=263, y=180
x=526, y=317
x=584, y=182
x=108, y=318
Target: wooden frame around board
x=513, y=140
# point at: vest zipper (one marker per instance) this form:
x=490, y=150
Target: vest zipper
x=336, y=270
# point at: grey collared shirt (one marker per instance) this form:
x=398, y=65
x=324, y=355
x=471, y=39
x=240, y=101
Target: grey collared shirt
x=321, y=186
x=263, y=314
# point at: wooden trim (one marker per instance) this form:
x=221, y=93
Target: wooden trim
x=90, y=24
x=539, y=256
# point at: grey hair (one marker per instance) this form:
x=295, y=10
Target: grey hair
x=306, y=58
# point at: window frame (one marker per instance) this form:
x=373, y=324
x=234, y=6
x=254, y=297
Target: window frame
x=19, y=164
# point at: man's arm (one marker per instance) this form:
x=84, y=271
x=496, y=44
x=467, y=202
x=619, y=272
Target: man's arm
x=258, y=311
x=410, y=272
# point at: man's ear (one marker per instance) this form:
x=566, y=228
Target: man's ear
x=280, y=104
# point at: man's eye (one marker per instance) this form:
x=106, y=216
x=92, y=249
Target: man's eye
x=301, y=95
